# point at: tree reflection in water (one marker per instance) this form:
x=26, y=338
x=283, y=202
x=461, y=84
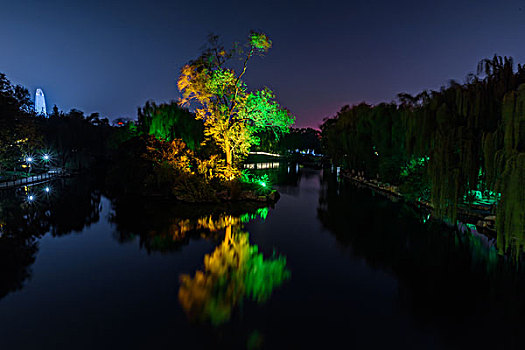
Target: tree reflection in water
x=447, y=279
x=234, y=271
x=59, y=207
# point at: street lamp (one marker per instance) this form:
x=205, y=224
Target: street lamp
x=29, y=161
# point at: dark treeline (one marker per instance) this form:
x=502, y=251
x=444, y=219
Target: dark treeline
x=76, y=141
x=445, y=146
x=302, y=139
x=18, y=133
x=71, y=140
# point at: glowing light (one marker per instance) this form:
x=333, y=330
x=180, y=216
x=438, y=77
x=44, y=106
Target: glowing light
x=29, y=159
x=266, y=154
x=40, y=103
x=263, y=184
x=45, y=157
x=30, y=198
x=47, y=189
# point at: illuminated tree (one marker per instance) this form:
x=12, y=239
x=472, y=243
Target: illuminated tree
x=232, y=114
x=168, y=121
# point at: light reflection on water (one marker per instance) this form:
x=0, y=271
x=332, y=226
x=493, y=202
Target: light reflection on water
x=329, y=264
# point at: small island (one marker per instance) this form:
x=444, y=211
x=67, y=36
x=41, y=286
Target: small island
x=200, y=160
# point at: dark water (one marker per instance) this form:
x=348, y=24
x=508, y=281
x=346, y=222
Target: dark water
x=329, y=266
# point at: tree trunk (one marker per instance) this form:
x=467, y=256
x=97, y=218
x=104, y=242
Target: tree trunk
x=229, y=161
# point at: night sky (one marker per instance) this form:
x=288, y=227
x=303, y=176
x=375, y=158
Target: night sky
x=112, y=56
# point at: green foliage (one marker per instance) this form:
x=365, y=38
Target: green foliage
x=510, y=219
x=366, y=138
x=414, y=180
x=260, y=184
x=259, y=213
x=260, y=41
x=472, y=133
x=235, y=270
x=168, y=121
x=232, y=115
x=263, y=276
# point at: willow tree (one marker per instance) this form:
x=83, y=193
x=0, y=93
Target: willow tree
x=168, y=121
x=510, y=159
x=231, y=113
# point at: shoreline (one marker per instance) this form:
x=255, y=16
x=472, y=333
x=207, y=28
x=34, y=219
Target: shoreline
x=484, y=222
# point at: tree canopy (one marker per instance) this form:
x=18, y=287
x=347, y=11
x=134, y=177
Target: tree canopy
x=447, y=147
x=231, y=113
x=168, y=121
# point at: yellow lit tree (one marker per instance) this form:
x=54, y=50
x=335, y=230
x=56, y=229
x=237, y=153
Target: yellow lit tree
x=231, y=113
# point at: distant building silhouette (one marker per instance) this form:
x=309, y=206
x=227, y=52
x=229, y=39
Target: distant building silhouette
x=40, y=103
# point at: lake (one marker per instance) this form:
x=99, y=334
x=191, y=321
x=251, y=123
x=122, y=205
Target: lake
x=327, y=266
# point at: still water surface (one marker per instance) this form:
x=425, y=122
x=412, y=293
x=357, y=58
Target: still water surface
x=328, y=266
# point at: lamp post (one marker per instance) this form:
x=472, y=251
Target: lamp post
x=29, y=161
x=46, y=158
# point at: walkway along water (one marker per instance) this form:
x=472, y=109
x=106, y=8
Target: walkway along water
x=35, y=179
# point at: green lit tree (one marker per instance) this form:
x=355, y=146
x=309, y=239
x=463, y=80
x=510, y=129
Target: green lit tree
x=231, y=113
x=168, y=121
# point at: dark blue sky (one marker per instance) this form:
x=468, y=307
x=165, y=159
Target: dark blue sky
x=112, y=56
